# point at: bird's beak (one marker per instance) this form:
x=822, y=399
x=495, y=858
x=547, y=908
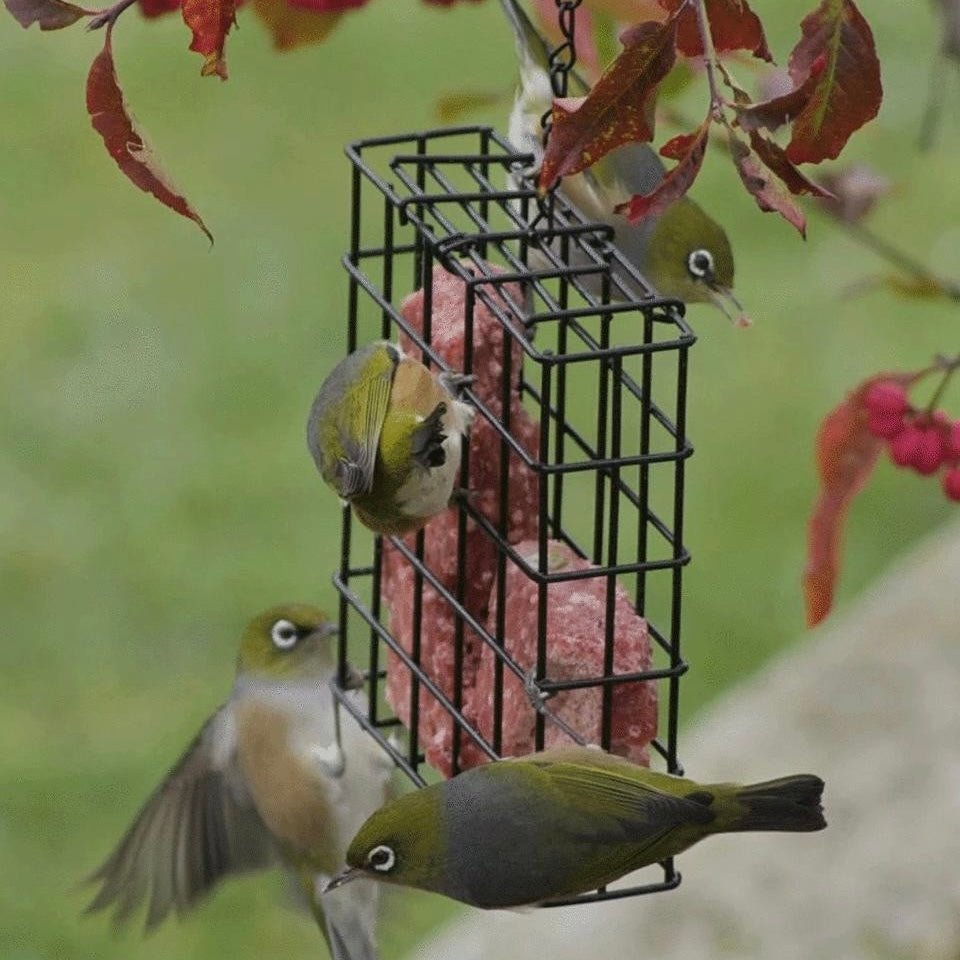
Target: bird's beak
x=344, y=876
x=724, y=300
x=327, y=629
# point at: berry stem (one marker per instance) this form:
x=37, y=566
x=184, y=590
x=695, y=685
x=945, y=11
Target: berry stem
x=948, y=365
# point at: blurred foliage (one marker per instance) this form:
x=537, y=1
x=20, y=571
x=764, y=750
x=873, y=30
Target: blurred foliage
x=155, y=484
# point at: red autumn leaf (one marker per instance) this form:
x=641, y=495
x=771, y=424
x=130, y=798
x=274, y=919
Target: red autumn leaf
x=846, y=452
x=733, y=26
x=156, y=8
x=619, y=108
x=853, y=192
x=760, y=184
x=210, y=22
x=775, y=157
x=780, y=110
x=293, y=27
x=112, y=120
x=49, y=14
x=848, y=91
x=688, y=150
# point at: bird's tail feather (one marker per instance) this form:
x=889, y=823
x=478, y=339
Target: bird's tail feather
x=790, y=803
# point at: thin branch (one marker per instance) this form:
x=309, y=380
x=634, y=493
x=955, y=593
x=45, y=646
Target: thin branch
x=109, y=16
x=709, y=60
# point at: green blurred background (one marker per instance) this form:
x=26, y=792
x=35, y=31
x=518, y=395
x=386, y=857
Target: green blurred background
x=155, y=485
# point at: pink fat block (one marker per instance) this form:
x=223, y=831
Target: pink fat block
x=435, y=724
x=576, y=613
x=449, y=306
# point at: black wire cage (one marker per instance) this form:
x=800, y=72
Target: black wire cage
x=602, y=376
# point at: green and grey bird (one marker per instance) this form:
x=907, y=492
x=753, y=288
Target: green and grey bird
x=269, y=780
x=526, y=831
x=683, y=252
x=385, y=434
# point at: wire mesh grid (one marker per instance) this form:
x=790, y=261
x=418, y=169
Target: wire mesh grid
x=603, y=376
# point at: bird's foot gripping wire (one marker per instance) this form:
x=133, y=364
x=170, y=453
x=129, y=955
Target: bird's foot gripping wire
x=538, y=700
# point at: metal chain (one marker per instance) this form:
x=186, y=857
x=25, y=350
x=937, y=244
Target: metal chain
x=561, y=61
x=564, y=57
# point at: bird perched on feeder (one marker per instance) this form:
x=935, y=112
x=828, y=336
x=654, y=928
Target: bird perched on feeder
x=385, y=433
x=683, y=252
x=271, y=778
x=525, y=831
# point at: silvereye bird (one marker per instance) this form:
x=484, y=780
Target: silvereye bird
x=526, y=831
x=683, y=252
x=269, y=779
x=385, y=433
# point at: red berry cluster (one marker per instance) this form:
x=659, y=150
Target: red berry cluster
x=919, y=439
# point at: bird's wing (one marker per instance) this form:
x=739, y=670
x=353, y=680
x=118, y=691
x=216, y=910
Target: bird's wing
x=363, y=421
x=349, y=919
x=195, y=828
x=638, y=811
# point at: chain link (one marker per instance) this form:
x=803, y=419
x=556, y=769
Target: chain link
x=561, y=61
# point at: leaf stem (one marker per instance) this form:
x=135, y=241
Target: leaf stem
x=109, y=15
x=709, y=60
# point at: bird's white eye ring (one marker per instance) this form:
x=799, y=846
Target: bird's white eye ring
x=382, y=858
x=284, y=634
x=700, y=264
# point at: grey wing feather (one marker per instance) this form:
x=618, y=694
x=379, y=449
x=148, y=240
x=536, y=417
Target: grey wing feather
x=195, y=828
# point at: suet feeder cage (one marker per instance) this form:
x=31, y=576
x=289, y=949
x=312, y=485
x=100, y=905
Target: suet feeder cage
x=599, y=476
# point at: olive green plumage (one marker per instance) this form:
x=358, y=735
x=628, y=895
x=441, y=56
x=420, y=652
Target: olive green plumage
x=565, y=821
x=683, y=252
x=267, y=781
x=385, y=433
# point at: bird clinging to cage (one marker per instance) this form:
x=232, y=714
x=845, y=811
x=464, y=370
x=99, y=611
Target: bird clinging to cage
x=683, y=252
x=266, y=781
x=550, y=825
x=385, y=433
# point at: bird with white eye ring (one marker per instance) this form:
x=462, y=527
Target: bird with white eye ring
x=529, y=830
x=661, y=247
x=700, y=264
x=382, y=858
x=272, y=778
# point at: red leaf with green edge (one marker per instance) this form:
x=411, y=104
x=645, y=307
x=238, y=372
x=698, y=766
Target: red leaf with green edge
x=619, y=108
x=210, y=22
x=846, y=452
x=733, y=26
x=775, y=157
x=293, y=27
x=848, y=91
x=48, y=14
x=112, y=120
x=688, y=150
x=760, y=184
x=771, y=114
